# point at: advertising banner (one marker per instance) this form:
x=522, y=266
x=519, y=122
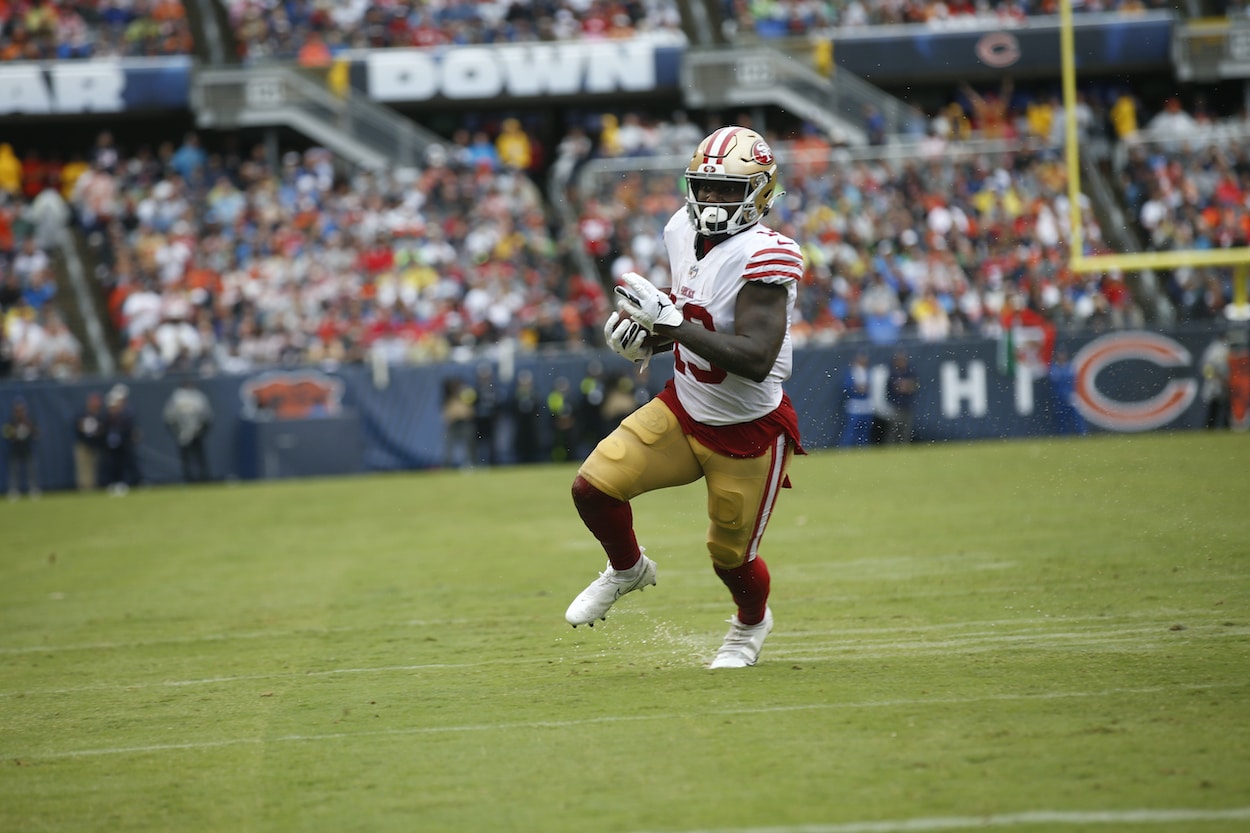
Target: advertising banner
x=520, y=71
x=94, y=86
x=1110, y=44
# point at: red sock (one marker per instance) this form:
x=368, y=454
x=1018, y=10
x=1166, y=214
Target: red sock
x=610, y=520
x=749, y=585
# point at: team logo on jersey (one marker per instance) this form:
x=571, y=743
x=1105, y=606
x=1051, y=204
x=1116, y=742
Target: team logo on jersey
x=298, y=395
x=761, y=152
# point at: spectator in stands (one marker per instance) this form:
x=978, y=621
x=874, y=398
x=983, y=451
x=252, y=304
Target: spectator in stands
x=20, y=433
x=29, y=262
x=678, y=134
x=10, y=170
x=990, y=111
x=514, y=146
x=881, y=310
x=1172, y=123
x=96, y=194
x=189, y=160
x=40, y=287
x=26, y=337
x=1124, y=116
x=482, y=154
x=49, y=216
x=60, y=353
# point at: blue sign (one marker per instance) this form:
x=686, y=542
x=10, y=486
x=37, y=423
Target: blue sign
x=97, y=86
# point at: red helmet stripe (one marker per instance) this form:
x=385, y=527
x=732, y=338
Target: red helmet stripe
x=718, y=143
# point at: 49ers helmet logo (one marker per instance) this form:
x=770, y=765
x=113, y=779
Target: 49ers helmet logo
x=762, y=153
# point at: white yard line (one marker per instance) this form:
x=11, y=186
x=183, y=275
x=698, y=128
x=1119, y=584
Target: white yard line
x=242, y=678
x=1051, y=818
x=1161, y=616
x=566, y=724
x=785, y=647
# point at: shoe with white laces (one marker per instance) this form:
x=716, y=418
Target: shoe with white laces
x=593, y=602
x=743, y=643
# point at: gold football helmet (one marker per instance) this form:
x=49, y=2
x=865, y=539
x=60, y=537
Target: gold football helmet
x=738, y=156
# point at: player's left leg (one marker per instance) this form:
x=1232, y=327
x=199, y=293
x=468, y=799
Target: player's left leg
x=741, y=497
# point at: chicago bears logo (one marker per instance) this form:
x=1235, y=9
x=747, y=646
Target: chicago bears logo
x=998, y=49
x=762, y=153
x=296, y=395
x=1144, y=413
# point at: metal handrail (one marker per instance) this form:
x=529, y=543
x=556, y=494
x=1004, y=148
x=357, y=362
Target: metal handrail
x=761, y=74
x=372, y=134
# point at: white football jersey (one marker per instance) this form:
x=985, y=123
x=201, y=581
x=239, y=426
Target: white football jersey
x=706, y=291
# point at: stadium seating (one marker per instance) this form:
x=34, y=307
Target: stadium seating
x=31, y=31
x=312, y=33
x=934, y=245
x=1184, y=182
x=234, y=265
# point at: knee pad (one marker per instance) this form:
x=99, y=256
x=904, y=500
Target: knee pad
x=725, y=556
x=726, y=538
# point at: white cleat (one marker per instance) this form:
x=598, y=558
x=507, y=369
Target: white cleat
x=593, y=602
x=743, y=643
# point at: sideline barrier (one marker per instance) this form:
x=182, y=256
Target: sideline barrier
x=1126, y=381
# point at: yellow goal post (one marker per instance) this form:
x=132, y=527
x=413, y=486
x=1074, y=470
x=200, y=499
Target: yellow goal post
x=1238, y=258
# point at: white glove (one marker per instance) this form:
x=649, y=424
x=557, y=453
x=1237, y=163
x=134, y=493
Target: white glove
x=646, y=303
x=625, y=337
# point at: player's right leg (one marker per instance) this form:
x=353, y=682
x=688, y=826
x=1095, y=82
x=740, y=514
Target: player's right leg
x=647, y=451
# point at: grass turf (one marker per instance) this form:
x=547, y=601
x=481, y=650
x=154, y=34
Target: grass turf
x=1046, y=634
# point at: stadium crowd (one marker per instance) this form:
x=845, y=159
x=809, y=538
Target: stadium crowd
x=34, y=338
x=314, y=32
x=942, y=245
x=227, y=259
x=36, y=30
x=1185, y=179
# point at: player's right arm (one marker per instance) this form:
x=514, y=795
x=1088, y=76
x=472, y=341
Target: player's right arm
x=760, y=317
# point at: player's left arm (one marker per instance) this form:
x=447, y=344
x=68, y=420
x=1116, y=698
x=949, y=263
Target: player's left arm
x=760, y=319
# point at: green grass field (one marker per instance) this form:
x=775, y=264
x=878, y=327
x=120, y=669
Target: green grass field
x=1044, y=635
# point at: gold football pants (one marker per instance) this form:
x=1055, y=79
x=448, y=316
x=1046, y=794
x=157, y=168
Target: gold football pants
x=649, y=451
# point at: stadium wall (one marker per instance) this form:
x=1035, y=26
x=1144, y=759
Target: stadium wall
x=306, y=422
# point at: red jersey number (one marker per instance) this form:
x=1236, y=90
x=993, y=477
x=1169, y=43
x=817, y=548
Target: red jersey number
x=713, y=375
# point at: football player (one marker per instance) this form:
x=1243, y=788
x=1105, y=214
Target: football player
x=724, y=417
